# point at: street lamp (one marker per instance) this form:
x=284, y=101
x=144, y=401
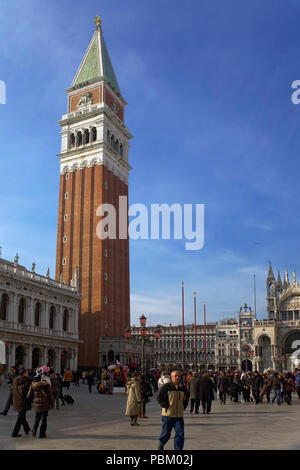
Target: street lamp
x=143, y=320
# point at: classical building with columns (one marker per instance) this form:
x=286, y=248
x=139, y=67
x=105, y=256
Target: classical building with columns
x=38, y=318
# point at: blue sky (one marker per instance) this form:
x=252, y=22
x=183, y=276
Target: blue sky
x=208, y=87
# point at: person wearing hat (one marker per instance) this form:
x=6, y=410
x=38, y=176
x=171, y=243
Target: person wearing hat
x=20, y=387
x=40, y=391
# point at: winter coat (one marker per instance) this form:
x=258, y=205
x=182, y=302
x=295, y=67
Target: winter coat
x=133, y=390
x=289, y=385
x=68, y=376
x=194, y=387
x=173, y=400
x=55, y=384
x=297, y=380
x=275, y=383
x=223, y=383
x=206, y=389
x=146, y=391
x=20, y=387
x=257, y=382
x=42, y=396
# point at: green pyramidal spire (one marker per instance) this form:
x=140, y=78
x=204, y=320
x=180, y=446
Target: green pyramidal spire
x=96, y=61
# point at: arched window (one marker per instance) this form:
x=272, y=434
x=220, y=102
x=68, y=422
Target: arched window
x=79, y=138
x=116, y=145
x=65, y=320
x=94, y=134
x=111, y=356
x=112, y=139
x=4, y=307
x=72, y=140
x=86, y=136
x=52, y=317
x=21, y=311
x=37, y=314
x=108, y=136
x=121, y=150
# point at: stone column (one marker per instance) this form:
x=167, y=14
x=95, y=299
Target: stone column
x=12, y=354
x=31, y=311
x=58, y=319
x=45, y=315
x=45, y=355
x=13, y=307
x=29, y=356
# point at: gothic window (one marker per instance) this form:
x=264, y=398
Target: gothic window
x=72, y=140
x=108, y=136
x=86, y=136
x=37, y=314
x=79, y=138
x=121, y=150
x=284, y=316
x=94, y=134
x=4, y=307
x=65, y=319
x=111, y=356
x=21, y=311
x=112, y=140
x=51, y=317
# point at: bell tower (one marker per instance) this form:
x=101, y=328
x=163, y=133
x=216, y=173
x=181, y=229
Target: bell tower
x=94, y=170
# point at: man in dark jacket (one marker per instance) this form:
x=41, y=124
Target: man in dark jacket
x=194, y=390
x=40, y=391
x=173, y=398
x=20, y=387
x=206, y=393
x=223, y=385
x=257, y=384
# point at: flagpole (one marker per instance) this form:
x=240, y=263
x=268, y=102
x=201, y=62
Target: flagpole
x=195, y=327
x=182, y=292
x=204, y=311
x=254, y=297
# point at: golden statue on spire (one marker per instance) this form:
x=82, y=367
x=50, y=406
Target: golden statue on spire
x=98, y=22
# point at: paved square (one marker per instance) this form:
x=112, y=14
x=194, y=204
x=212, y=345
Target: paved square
x=97, y=422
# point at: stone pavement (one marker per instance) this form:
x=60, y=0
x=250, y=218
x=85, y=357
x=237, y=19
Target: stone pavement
x=97, y=422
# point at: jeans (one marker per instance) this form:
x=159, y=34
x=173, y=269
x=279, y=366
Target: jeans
x=21, y=421
x=222, y=396
x=277, y=394
x=168, y=424
x=40, y=415
x=256, y=394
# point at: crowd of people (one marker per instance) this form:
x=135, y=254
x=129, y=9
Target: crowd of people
x=179, y=388
x=42, y=390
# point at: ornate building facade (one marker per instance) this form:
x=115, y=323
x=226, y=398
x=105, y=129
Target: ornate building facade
x=93, y=180
x=38, y=318
x=277, y=338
